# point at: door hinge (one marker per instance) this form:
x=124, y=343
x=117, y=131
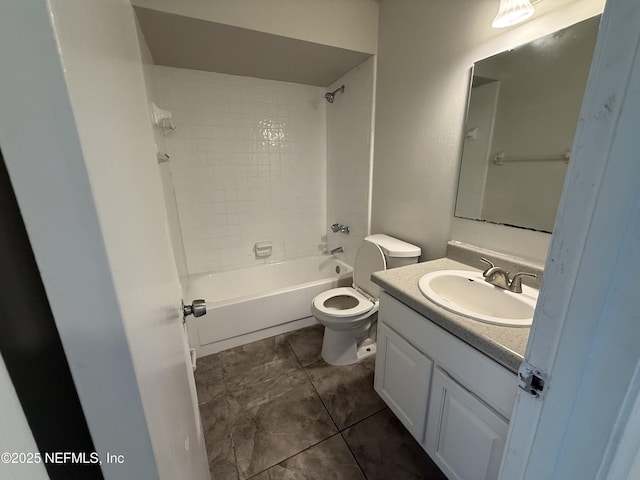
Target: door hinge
x=532, y=379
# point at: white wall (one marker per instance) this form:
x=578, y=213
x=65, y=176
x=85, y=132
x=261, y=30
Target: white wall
x=424, y=54
x=249, y=164
x=165, y=170
x=349, y=158
x=148, y=70
x=350, y=24
x=81, y=158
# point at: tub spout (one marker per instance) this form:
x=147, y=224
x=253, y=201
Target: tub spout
x=337, y=250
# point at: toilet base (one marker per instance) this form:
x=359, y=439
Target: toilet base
x=344, y=348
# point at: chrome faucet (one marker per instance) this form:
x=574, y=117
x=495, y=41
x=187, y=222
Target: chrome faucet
x=499, y=277
x=337, y=250
x=337, y=227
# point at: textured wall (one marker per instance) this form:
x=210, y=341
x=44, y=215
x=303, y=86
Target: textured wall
x=425, y=50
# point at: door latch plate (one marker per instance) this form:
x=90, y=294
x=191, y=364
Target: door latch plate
x=532, y=379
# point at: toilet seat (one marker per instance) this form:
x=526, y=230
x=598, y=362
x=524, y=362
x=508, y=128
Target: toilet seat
x=364, y=304
x=368, y=260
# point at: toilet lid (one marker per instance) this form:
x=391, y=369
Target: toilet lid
x=368, y=260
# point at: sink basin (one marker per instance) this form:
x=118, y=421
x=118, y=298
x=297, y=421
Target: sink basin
x=466, y=293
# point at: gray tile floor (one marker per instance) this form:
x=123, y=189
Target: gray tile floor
x=273, y=409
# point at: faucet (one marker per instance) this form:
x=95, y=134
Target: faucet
x=337, y=250
x=337, y=227
x=499, y=277
x=516, y=282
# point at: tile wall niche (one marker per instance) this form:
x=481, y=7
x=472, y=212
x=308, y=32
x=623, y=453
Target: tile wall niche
x=249, y=164
x=349, y=157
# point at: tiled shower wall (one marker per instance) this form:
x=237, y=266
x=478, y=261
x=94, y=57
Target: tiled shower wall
x=248, y=160
x=349, y=157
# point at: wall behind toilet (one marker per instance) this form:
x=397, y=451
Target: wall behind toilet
x=425, y=50
x=349, y=158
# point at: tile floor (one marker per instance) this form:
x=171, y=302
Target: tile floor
x=273, y=409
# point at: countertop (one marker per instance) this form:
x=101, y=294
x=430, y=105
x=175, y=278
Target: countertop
x=505, y=345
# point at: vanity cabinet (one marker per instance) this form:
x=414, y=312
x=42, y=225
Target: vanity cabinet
x=454, y=400
x=403, y=377
x=465, y=437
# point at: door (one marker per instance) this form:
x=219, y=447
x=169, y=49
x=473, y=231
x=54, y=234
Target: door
x=464, y=436
x=586, y=325
x=78, y=144
x=403, y=377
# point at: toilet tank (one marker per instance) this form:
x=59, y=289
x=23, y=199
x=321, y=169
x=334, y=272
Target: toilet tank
x=396, y=252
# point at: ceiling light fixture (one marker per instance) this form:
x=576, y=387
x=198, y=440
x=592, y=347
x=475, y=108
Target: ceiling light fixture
x=512, y=12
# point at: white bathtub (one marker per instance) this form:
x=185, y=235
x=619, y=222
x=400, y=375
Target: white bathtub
x=252, y=303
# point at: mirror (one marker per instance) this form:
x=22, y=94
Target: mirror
x=522, y=116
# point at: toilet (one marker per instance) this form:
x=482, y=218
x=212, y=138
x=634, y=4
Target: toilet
x=349, y=314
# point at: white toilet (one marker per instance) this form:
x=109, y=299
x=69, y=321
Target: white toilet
x=349, y=313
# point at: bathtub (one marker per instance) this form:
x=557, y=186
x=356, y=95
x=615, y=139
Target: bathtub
x=249, y=304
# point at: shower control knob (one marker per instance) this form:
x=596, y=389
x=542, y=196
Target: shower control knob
x=197, y=308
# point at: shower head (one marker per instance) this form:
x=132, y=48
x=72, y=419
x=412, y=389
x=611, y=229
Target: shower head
x=331, y=96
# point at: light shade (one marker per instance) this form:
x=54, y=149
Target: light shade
x=512, y=12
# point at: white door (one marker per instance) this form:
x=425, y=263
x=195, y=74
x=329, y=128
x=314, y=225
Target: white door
x=464, y=436
x=77, y=140
x=586, y=328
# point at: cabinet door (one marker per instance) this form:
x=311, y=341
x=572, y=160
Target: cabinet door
x=402, y=379
x=464, y=437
